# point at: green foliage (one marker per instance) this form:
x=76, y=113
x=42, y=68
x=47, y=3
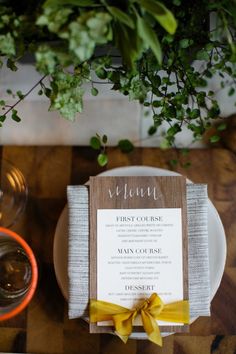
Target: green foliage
x=125, y=145
x=102, y=159
x=7, y=44
x=149, y=36
x=66, y=94
x=161, y=14
x=121, y=16
x=54, y=18
x=152, y=130
x=137, y=88
x=48, y=59
x=94, y=91
x=95, y=143
x=214, y=138
x=15, y=116
x=89, y=30
x=2, y=118
x=83, y=33
x=222, y=127
x=165, y=144
x=99, y=143
x=157, y=43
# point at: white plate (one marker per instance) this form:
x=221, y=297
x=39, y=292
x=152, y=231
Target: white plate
x=217, y=242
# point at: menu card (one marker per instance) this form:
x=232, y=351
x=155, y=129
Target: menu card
x=138, y=243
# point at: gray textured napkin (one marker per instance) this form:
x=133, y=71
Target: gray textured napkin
x=78, y=265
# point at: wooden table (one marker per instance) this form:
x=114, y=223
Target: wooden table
x=44, y=327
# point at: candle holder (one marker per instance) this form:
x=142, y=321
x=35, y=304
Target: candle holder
x=18, y=274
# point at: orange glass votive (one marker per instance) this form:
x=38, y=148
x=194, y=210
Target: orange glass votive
x=18, y=274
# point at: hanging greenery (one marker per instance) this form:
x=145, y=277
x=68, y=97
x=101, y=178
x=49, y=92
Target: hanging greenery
x=145, y=49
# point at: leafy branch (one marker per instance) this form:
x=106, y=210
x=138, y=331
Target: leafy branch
x=157, y=57
x=11, y=108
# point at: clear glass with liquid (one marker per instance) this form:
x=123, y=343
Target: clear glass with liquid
x=15, y=272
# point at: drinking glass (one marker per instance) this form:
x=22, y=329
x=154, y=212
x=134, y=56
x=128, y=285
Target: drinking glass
x=13, y=193
x=18, y=274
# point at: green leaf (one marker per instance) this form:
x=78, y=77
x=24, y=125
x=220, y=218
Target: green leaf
x=54, y=17
x=102, y=159
x=94, y=91
x=129, y=44
x=231, y=91
x=185, y=43
x=47, y=92
x=2, y=103
x=165, y=144
x=161, y=14
x=173, y=130
x=208, y=74
x=197, y=130
x=168, y=39
x=203, y=55
x=214, y=138
x=125, y=145
x=156, y=80
x=121, y=16
x=137, y=89
x=202, y=83
x=210, y=46
x=66, y=94
x=157, y=120
x=7, y=44
x=88, y=30
x=214, y=111
x=222, y=127
x=152, y=130
x=20, y=95
x=149, y=37
x=95, y=143
x=201, y=98
x=156, y=103
x=101, y=73
x=194, y=113
x=46, y=59
x=11, y=65
x=2, y=118
x=15, y=116
x=104, y=139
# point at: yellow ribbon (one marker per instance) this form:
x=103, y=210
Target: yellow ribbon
x=151, y=309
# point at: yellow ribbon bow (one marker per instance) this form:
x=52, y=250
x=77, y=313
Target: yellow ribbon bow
x=151, y=309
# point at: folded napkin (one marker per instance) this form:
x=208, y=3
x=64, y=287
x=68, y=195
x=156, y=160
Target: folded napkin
x=78, y=257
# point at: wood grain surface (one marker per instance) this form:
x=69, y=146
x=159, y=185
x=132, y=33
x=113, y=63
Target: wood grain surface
x=170, y=192
x=44, y=326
